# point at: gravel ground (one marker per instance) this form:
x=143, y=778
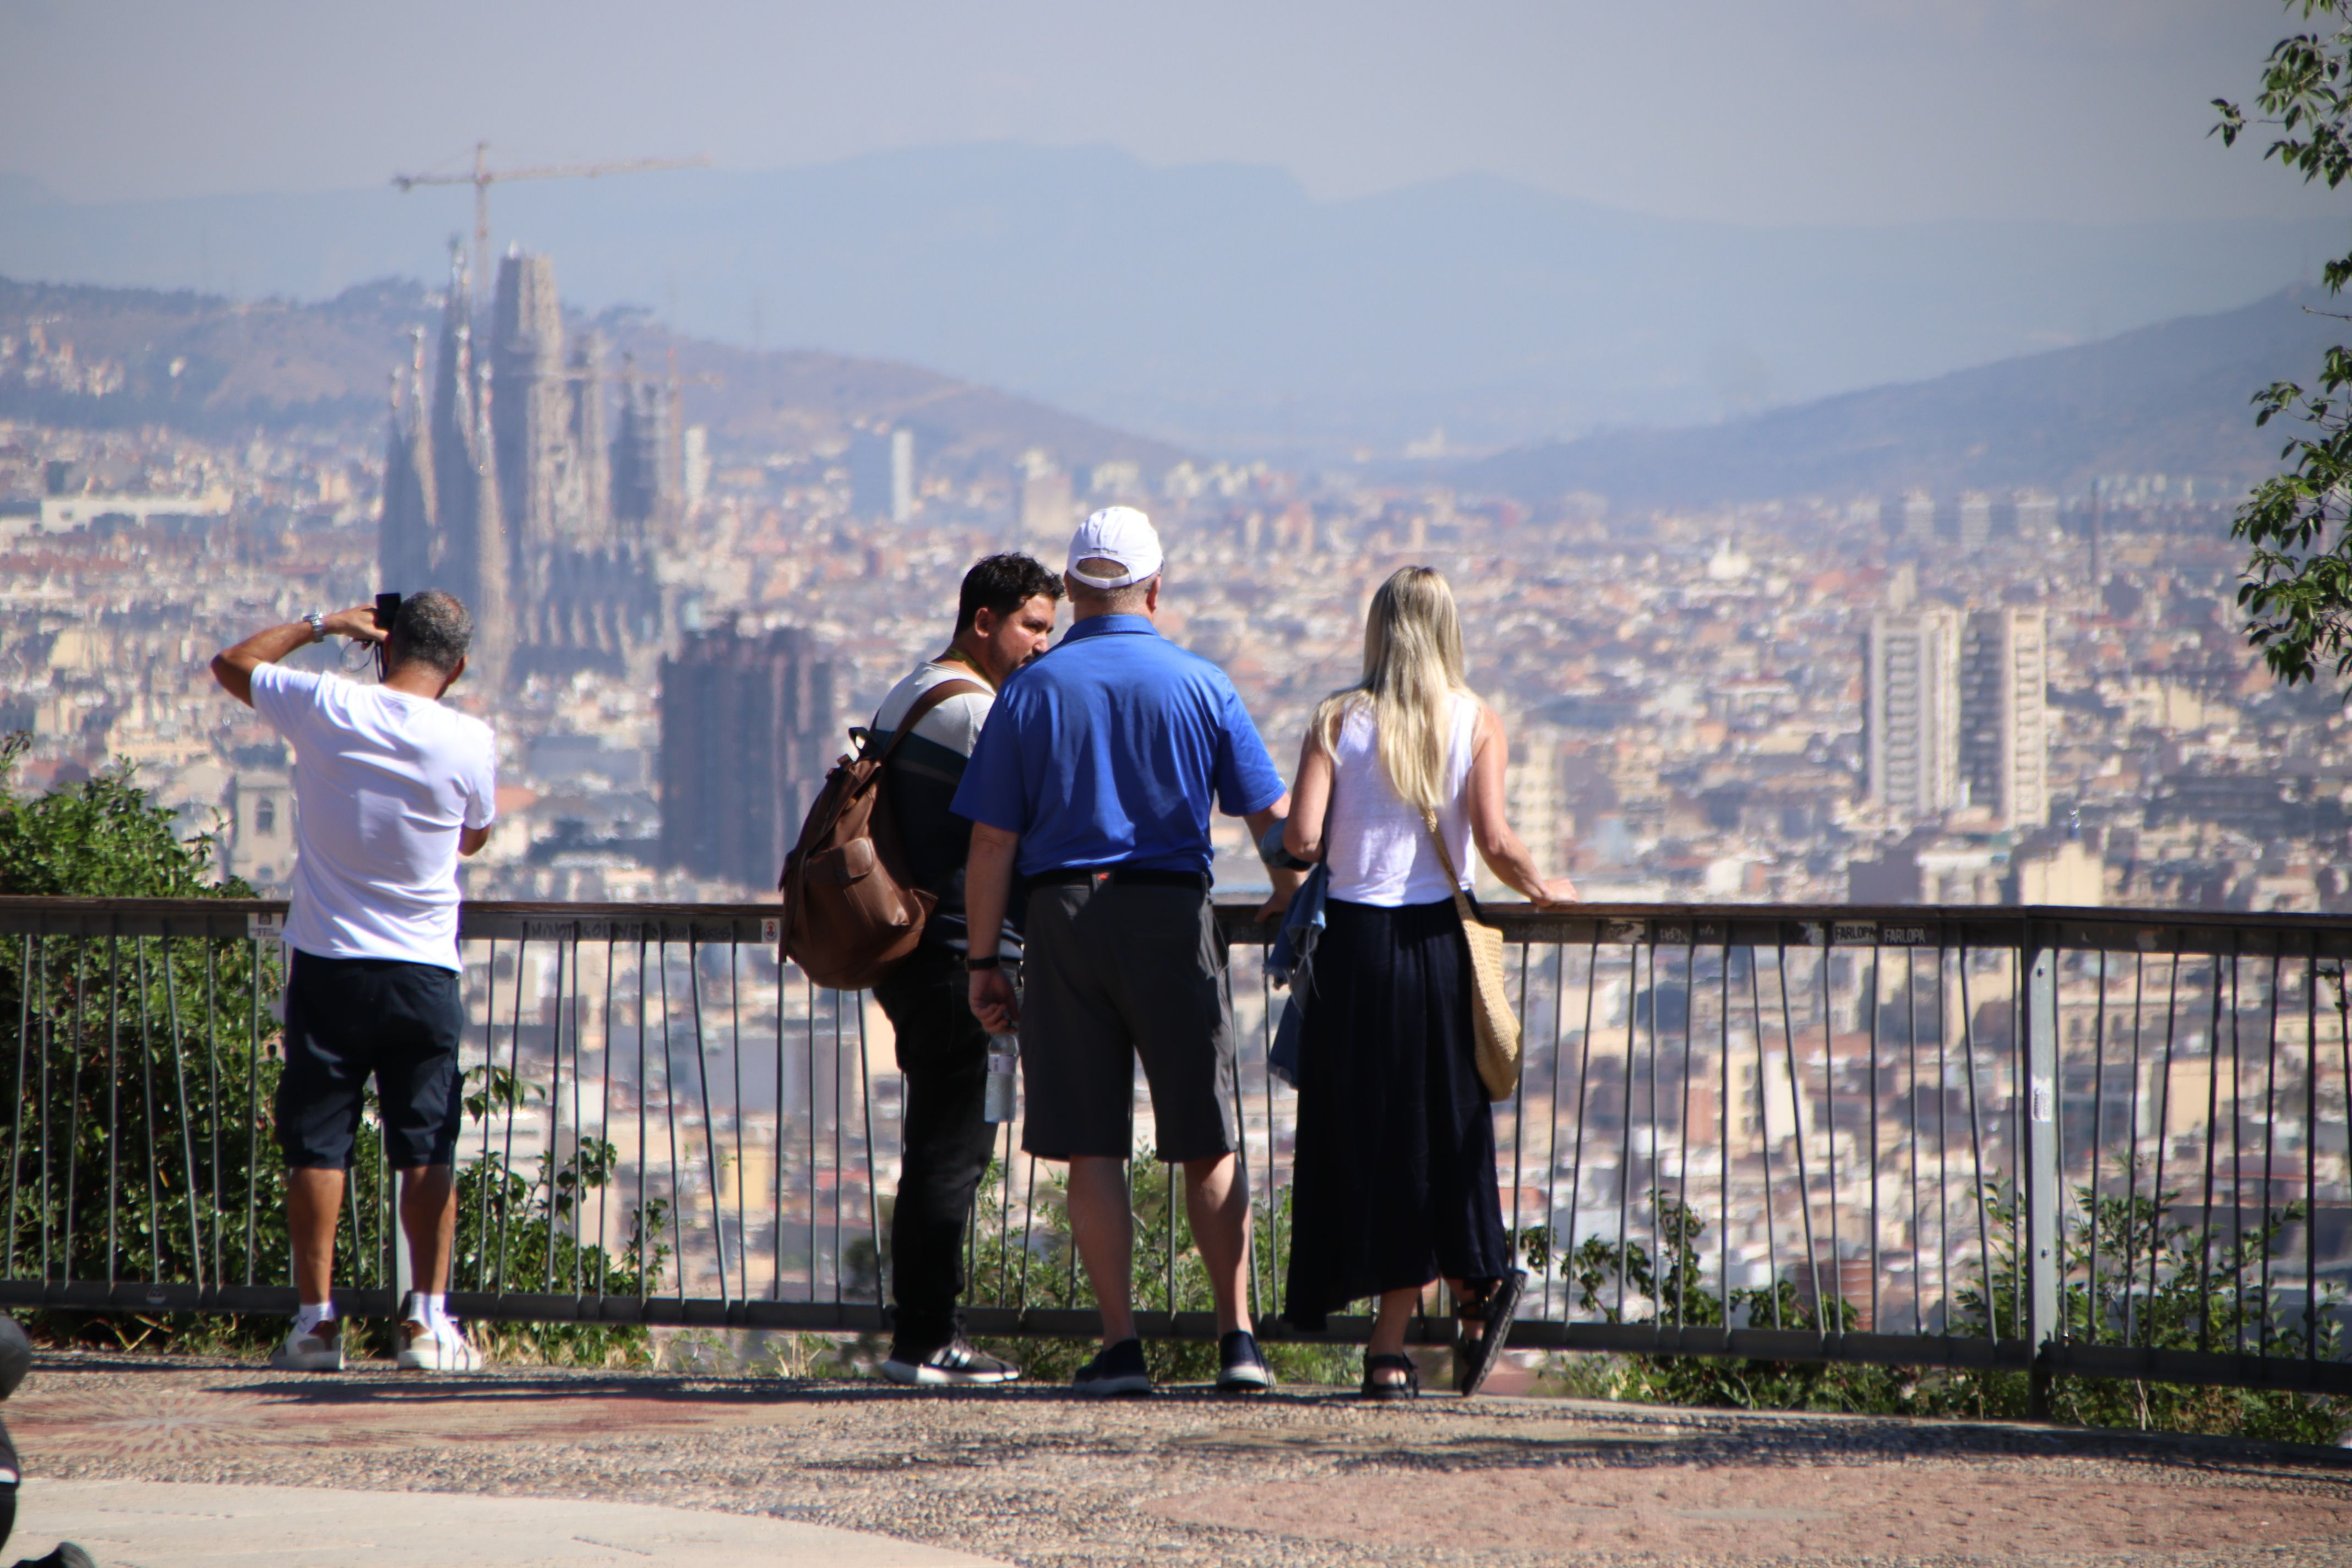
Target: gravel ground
x=1298, y=1478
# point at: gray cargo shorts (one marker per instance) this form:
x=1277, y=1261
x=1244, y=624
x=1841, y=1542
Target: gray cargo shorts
x=1114, y=972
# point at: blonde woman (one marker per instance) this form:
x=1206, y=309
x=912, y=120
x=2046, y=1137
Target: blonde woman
x=1396, y=1164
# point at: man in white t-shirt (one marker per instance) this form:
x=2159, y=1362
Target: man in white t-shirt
x=390, y=788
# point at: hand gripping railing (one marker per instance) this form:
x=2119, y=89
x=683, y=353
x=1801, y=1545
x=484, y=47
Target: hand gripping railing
x=2094, y=1142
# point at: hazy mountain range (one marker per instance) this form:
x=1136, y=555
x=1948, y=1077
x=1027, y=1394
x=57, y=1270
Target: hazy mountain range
x=218, y=367
x=2172, y=398
x=1218, y=306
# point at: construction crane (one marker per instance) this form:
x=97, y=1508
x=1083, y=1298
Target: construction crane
x=483, y=177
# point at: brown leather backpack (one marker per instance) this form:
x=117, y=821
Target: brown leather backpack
x=851, y=911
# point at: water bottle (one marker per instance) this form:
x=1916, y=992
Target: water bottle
x=1003, y=1058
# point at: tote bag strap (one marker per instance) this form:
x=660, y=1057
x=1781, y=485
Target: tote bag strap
x=1453, y=878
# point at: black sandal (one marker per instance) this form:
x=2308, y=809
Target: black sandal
x=1492, y=1308
x=1408, y=1389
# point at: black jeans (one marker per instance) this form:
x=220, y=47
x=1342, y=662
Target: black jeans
x=943, y=1054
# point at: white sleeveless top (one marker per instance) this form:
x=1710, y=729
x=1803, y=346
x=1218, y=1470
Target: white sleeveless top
x=1377, y=847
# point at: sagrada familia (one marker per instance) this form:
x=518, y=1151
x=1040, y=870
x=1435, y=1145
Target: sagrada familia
x=505, y=489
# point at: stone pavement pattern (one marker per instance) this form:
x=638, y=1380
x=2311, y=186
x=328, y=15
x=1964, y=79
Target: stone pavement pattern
x=1033, y=1477
x=154, y=1524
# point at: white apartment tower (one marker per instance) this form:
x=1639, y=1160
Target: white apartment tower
x=2005, y=714
x=1911, y=711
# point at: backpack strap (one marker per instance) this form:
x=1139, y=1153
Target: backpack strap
x=922, y=708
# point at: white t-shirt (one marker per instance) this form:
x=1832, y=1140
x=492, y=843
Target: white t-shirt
x=1377, y=847
x=383, y=781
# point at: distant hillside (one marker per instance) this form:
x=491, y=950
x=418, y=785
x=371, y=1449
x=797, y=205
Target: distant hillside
x=215, y=368
x=2171, y=398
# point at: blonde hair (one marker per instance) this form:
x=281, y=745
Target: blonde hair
x=1413, y=666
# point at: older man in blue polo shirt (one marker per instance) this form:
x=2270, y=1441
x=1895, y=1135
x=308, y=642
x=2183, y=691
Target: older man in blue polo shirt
x=1094, y=783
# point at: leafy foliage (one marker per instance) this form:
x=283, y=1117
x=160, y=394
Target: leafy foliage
x=2298, y=593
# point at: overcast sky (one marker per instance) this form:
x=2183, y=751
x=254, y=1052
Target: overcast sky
x=1779, y=112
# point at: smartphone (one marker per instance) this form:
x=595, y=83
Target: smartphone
x=388, y=610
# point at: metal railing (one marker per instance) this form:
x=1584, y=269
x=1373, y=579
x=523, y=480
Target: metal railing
x=2093, y=1142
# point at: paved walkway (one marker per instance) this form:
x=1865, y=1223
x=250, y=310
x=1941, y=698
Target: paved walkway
x=1033, y=1477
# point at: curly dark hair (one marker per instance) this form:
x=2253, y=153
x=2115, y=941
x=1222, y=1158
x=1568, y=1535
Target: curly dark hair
x=1003, y=583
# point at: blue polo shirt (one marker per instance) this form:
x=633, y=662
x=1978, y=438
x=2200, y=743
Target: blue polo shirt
x=1112, y=751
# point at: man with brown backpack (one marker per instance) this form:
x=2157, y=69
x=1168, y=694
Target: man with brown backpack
x=1003, y=619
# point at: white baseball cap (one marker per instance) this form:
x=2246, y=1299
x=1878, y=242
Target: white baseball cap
x=1118, y=534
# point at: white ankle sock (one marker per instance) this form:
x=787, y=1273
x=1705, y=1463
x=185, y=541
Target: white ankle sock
x=432, y=1310
x=312, y=1314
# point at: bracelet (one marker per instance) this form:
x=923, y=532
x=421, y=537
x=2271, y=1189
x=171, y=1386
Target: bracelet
x=318, y=625
x=983, y=965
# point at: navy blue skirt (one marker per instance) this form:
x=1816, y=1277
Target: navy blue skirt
x=1393, y=1179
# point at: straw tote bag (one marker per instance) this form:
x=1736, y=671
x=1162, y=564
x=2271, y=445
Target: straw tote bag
x=1492, y=1018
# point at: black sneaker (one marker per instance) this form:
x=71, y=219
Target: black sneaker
x=1241, y=1366
x=1119, y=1369
x=954, y=1364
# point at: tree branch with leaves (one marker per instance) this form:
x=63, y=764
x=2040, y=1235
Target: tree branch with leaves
x=2297, y=595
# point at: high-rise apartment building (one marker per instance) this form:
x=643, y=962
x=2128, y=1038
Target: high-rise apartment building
x=2005, y=714
x=1911, y=711
x=749, y=728
x=882, y=474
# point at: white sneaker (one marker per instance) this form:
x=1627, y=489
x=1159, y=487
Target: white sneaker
x=321, y=1350
x=445, y=1349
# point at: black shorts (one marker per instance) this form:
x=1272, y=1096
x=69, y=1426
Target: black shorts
x=350, y=1020
x=1112, y=973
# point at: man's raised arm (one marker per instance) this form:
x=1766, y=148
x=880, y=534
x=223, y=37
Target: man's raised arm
x=234, y=668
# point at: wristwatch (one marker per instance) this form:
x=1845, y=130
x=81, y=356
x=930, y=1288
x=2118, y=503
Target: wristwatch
x=979, y=965
x=317, y=624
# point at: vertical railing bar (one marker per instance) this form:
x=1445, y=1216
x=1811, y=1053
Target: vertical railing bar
x=16, y=1118
x=776, y=1281
x=555, y=1110
x=147, y=1118
x=1944, y=1142
x=838, y=1160
x=1256, y=1303
x=1683, y=1132
x=580, y=1161
x=2270, y=1142
x=735, y=1025
x=2020, y=1107
x=490, y=1100
x=252, y=1120
x=1169, y=1171
x=1832, y=1307
x=1797, y=1112
x=1272, y=1160
x=1583, y=1102
x=1551, y=1127
x=2131, y=1170
x=113, y=1096
x=2212, y=1142
x=81, y=1047
x=2094, y=1310
x=678, y=1191
x=2237, y=1157
x=1004, y=1218
x=2343, y=1047
x=213, y=1102
x=1029, y=1229
x=648, y=1245
x=873, y=1200
x=1872, y=1119
x=605, y=1129
x=810, y=986
x=2311, y=1151
x=1976, y=1144
x=513, y=1092
x=1911, y=1135
x=40, y=966
x=1723, y=1120
x=188, y=1130
x=1625, y=1119
x=710, y=1122
x=1519, y=1117
x=1654, y=1180
x=2163, y=1123
x=1764, y=1127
